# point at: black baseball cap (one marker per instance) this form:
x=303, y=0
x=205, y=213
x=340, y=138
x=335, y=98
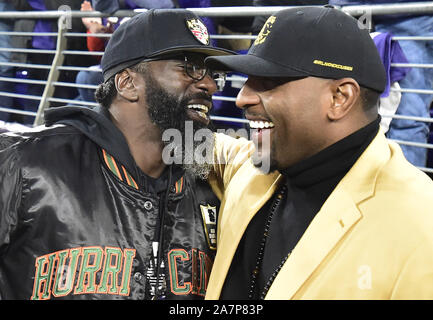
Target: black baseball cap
x=310, y=41
x=155, y=33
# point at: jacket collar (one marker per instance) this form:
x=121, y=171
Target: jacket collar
x=177, y=183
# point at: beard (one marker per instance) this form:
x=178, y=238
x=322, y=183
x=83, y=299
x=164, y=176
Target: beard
x=169, y=113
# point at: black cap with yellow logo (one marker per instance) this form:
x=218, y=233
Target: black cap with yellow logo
x=154, y=33
x=310, y=41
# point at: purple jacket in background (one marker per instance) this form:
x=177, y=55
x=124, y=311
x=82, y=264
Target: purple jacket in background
x=390, y=52
x=42, y=42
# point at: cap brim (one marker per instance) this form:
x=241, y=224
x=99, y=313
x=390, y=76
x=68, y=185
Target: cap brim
x=208, y=51
x=252, y=65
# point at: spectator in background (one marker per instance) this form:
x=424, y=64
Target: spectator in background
x=29, y=42
x=93, y=25
x=411, y=104
x=260, y=20
x=390, y=52
x=111, y=6
x=5, y=71
x=45, y=42
x=233, y=25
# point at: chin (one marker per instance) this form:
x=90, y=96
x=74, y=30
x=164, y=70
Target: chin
x=264, y=162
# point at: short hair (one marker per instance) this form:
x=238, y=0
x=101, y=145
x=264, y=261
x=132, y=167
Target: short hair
x=106, y=91
x=369, y=99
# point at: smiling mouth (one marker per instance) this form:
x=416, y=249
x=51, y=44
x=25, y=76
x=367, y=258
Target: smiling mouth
x=200, y=109
x=261, y=124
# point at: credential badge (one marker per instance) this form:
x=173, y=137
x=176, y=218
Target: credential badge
x=199, y=30
x=209, y=215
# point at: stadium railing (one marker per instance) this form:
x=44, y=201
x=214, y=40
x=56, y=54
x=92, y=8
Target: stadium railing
x=64, y=19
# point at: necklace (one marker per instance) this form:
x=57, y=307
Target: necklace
x=260, y=254
x=273, y=276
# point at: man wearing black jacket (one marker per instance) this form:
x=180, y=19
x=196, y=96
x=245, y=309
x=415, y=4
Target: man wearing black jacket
x=89, y=209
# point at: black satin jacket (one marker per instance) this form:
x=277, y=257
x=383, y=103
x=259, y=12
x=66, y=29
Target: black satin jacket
x=76, y=224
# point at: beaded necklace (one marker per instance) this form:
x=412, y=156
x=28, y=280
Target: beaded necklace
x=260, y=254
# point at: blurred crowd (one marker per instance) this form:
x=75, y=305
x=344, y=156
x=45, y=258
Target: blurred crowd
x=392, y=52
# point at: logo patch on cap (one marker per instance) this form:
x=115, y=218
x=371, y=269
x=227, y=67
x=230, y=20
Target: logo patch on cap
x=199, y=30
x=332, y=65
x=266, y=30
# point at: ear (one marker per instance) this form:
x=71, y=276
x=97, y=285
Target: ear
x=125, y=86
x=345, y=94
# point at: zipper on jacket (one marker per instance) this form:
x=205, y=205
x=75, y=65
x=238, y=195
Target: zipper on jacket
x=163, y=210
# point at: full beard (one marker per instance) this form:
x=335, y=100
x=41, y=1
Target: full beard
x=169, y=113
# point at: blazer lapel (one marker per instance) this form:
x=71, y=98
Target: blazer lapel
x=258, y=189
x=337, y=216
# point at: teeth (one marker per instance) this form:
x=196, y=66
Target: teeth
x=261, y=124
x=199, y=107
x=202, y=114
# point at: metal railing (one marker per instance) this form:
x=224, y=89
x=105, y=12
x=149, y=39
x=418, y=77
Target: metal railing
x=59, y=53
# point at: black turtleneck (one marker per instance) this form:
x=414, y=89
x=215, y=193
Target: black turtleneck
x=286, y=216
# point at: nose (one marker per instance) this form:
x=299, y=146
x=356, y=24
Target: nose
x=207, y=84
x=247, y=96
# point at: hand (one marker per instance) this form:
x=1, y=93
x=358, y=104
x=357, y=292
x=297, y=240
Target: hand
x=94, y=27
x=90, y=22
